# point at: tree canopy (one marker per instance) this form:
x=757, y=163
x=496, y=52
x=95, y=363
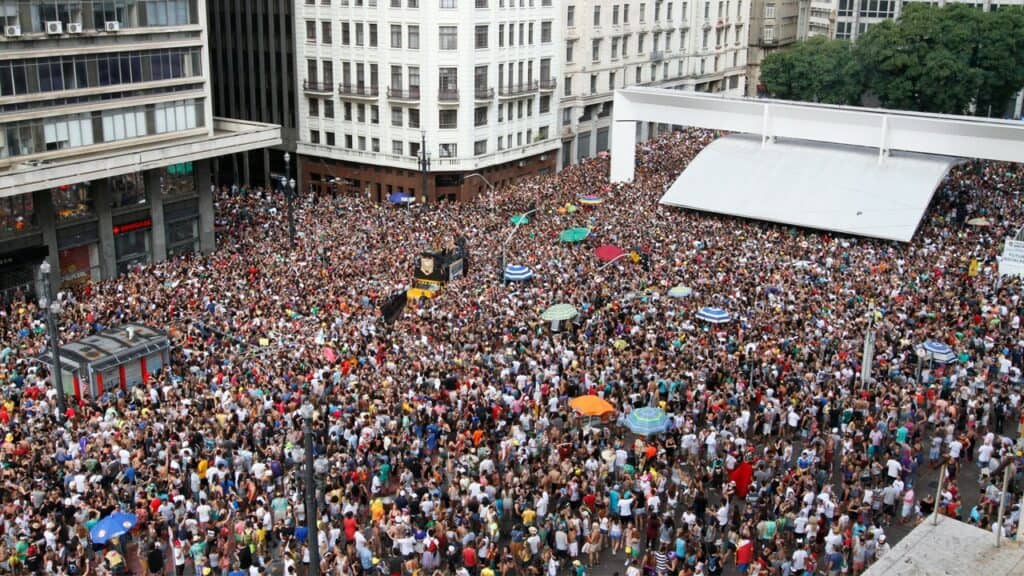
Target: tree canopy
x=952, y=60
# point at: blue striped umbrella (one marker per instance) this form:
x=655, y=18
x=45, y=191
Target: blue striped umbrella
x=939, y=352
x=714, y=315
x=647, y=421
x=516, y=273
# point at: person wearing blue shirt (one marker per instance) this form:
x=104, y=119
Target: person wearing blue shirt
x=613, y=499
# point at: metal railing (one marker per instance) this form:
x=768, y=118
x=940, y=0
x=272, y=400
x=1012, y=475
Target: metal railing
x=483, y=93
x=448, y=95
x=548, y=84
x=411, y=93
x=314, y=86
x=357, y=90
x=519, y=89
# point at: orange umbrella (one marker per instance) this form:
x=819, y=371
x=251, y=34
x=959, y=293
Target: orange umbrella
x=591, y=405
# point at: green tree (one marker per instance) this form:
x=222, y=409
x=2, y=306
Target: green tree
x=952, y=60
x=818, y=70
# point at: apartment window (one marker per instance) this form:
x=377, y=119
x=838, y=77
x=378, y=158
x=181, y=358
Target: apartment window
x=396, y=116
x=346, y=39
x=314, y=136
x=501, y=140
x=310, y=31
x=448, y=119
x=328, y=108
x=611, y=81
x=501, y=35
x=625, y=14
x=625, y=45
x=375, y=144
x=314, y=107
x=374, y=114
x=593, y=83
x=397, y=146
x=769, y=11
x=348, y=111
x=568, y=86
x=545, y=32
x=570, y=16
x=643, y=12
x=361, y=113
x=396, y=35
x=348, y=141
x=362, y=143
x=657, y=11
x=769, y=34
x=640, y=42
x=545, y=105
x=413, y=118
x=639, y=75
x=359, y=34
x=373, y=35
x=330, y=138
x=481, y=37
x=569, y=49
x=449, y=150
x=597, y=15
x=449, y=4
x=447, y=37
x=668, y=12
x=615, y=47
x=480, y=116
x=414, y=37
x=595, y=50
x=522, y=35
x=615, y=15
x=566, y=116
x=707, y=10
x=448, y=79
x=396, y=3
x=529, y=34
x=480, y=147
x=414, y=148
x=325, y=32
x=481, y=3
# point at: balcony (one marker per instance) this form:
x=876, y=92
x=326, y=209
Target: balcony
x=657, y=55
x=448, y=96
x=517, y=90
x=548, y=85
x=483, y=94
x=411, y=93
x=317, y=87
x=358, y=91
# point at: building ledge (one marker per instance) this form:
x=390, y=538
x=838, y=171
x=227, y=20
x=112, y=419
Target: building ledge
x=229, y=137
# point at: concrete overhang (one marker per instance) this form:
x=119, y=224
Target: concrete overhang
x=229, y=137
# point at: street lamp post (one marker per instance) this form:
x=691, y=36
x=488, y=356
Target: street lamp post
x=490, y=187
x=52, y=310
x=312, y=538
x=424, y=161
x=288, y=187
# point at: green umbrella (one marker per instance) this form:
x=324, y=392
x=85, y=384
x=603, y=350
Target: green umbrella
x=560, y=312
x=574, y=235
x=520, y=219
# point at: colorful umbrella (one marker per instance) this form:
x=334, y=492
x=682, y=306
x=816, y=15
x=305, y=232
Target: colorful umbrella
x=647, y=421
x=680, y=291
x=608, y=252
x=570, y=208
x=516, y=273
x=574, y=235
x=713, y=315
x=559, y=312
x=939, y=352
x=520, y=219
x=117, y=524
x=591, y=200
x=591, y=405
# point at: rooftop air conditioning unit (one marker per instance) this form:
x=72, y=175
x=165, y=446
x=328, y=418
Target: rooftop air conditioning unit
x=74, y=28
x=112, y=26
x=55, y=27
x=12, y=31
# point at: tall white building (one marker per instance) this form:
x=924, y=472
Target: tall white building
x=475, y=79
x=681, y=44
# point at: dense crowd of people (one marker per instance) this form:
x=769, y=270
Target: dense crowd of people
x=444, y=442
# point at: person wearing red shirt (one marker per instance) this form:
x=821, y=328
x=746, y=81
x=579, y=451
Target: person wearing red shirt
x=350, y=526
x=744, y=554
x=469, y=559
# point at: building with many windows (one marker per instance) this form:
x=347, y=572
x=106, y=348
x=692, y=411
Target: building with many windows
x=681, y=44
x=474, y=81
x=774, y=25
x=106, y=131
